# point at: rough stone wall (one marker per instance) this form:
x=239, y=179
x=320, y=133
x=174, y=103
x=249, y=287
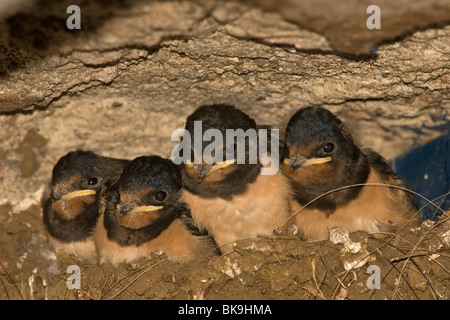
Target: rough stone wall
x=136, y=69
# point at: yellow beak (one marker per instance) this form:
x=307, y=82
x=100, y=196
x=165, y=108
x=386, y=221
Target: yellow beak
x=204, y=170
x=316, y=161
x=78, y=193
x=189, y=164
x=219, y=166
x=141, y=209
x=307, y=162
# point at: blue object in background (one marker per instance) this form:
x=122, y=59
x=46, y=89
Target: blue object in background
x=427, y=171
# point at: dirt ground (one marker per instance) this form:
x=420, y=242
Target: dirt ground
x=413, y=264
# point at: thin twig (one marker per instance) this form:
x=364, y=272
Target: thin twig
x=417, y=245
x=12, y=282
x=412, y=255
x=425, y=275
x=313, y=266
x=363, y=185
x=140, y=275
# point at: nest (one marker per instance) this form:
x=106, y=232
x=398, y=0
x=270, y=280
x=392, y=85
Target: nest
x=413, y=263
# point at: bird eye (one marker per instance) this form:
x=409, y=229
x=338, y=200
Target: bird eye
x=160, y=195
x=92, y=181
x=329, y=147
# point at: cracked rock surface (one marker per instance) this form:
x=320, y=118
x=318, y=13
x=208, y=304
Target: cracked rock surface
x=123, y=83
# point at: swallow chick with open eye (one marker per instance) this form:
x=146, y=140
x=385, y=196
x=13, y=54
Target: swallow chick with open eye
x=70, y=206
x=321, y=156
x=231, y=200
x=141, y=213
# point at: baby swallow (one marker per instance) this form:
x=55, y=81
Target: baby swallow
x=323, y=162
x=71, y=206
x=141, y=213
x=229, y=198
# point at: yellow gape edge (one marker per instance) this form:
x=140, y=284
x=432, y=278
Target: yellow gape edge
x=312, y=161
x=189, y=164
x=145, y=209
x=219, y=166
x=309, y=162
x=78, y=193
